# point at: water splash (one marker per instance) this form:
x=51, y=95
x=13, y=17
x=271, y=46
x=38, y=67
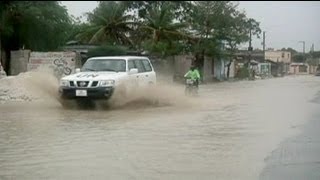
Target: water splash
x=42, y=87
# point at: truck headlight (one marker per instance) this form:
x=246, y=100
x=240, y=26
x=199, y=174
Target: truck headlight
x=64, y=83
x=107, y=83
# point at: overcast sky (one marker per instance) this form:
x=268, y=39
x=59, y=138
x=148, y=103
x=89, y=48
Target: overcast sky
x=285, y=22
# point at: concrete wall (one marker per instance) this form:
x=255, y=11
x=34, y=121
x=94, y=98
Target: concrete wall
x=219, y=69
x=182, y=63
x=19, y=61
x=2, y=72
x=61, y=63
x=278, y=56
x=163, y=67
x=208, y=72
x=3, y=59
x=312, y=69
x=296, y=68
x=179, y=65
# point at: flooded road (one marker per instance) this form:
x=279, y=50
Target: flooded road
x=225, y=133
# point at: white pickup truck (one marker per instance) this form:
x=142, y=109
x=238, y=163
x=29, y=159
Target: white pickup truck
x=100, y=77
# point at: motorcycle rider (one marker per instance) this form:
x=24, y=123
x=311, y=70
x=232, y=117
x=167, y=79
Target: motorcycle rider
x=194, y=75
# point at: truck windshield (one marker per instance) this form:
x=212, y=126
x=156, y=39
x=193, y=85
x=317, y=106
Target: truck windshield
x=115, y=65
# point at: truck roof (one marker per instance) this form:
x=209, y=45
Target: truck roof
x=118, y=57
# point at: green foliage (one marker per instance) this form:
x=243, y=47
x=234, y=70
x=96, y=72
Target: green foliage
x=293, y=51
x=311, y=58
x=107, y=50
x=313, y=61
x=162, y=34
x=34, y=25
x=202, y=26
x=161, y=27
x=298, y=58
x=6, y=28
x=220, y=22
x=315, y=54
x=76, y=28
x=108, y=23
x=163, y=48
x=180, y=9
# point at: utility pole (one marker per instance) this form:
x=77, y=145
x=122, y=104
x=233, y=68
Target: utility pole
x=250, y=49
x=312, y=48
x=304, y=46
x=1, y=68
x=264, y=45
x=0, y=53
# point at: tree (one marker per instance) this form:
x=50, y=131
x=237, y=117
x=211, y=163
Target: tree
x=291, y=50
x=159, y=30
x=313, y=58
x=313, y=61
x=45, y=25
x=315, y=54
x=300, y=58
x=76, y=28
x=205, y=15
x=217, y=25
x=5, y=28
x=180, y=9
x=107, y=50
x=109, y=23
x=162, y=25
x=234, y=30
x=162, y=33
x=33, y=25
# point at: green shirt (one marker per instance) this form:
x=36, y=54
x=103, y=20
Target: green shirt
x=193, y=74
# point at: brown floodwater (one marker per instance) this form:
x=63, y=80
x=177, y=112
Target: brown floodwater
x=224, y=133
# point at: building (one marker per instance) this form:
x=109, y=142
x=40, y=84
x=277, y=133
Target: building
x=262, y=67
x=278, y=56
x=283, y=57
x=299, y=68
x=275, y=63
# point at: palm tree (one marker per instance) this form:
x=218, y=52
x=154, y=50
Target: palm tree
x=109, y=23
x=159, y=22
x=163, y=33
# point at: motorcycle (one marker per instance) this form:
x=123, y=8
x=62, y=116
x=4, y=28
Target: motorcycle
x=191, y=87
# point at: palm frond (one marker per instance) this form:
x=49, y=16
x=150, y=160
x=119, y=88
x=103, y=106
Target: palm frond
x=97, y=36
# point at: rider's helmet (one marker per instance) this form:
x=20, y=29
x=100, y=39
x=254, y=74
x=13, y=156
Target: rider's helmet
x=193, y=67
